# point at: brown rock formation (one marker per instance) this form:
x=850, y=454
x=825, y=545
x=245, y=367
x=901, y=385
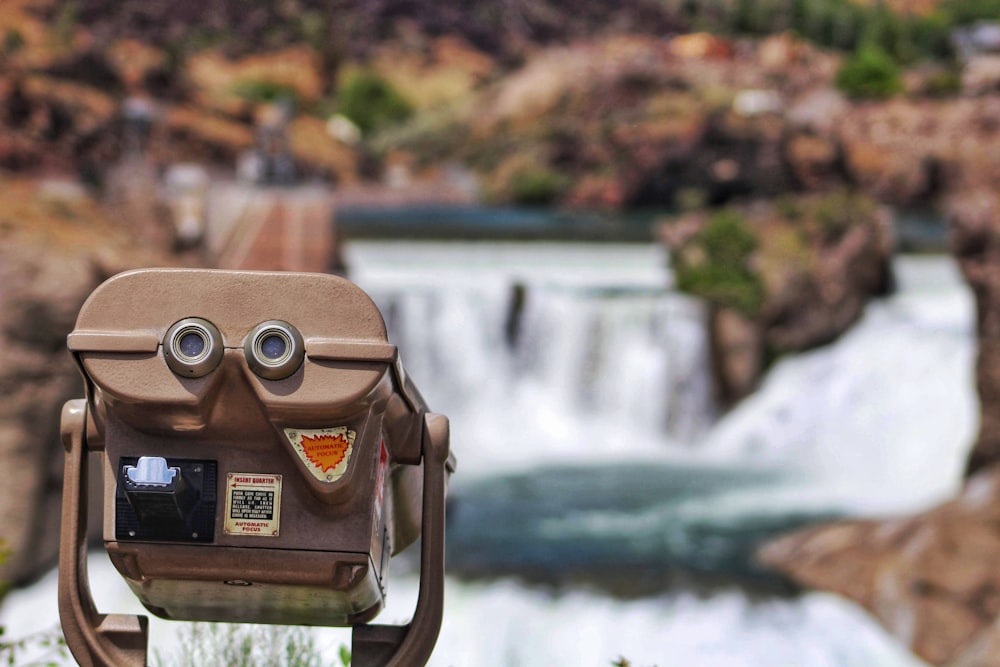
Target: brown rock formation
x=55, y=246
x=809, y=267
x=975, y=242
x=737, y=347
x=932, y=579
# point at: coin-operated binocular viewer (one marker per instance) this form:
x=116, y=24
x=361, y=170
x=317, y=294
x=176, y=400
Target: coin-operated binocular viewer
x=264, y=454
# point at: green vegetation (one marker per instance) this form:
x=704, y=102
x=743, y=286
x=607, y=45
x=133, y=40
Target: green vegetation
x=826, y=218
x=265, y=91
x=536, y=186
x=847, y=25
x=249, y=646
x=66, y=21
x=13, y=41
x=43, y=649
x=961, y=12
x=870, y=73
x=717, y=268
x=835, y=213
x=371, y=102
x=850, y=25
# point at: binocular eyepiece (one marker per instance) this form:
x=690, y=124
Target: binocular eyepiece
x=264, y=454
x=193, y=348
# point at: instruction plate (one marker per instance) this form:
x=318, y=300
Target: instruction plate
x=253, y=504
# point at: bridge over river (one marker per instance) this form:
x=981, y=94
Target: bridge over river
x=271, y=228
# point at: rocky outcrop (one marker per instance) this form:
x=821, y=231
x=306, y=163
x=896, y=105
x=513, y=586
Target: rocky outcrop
x=932, y=579
x=780, y=277
x=56, y=245
x=975, y=242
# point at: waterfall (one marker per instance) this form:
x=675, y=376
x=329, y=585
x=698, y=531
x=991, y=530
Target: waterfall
x=561, y=353
x=882, y=420
x=570, y=354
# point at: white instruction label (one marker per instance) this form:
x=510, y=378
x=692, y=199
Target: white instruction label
x=253, y=504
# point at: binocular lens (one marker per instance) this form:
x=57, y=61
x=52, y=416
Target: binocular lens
x=192, y=347
x=274, y=350
x=274, y=347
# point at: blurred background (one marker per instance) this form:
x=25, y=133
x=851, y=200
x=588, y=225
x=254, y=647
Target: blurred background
x=710, y=290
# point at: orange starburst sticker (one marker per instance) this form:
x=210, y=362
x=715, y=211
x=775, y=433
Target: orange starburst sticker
x=325, y=452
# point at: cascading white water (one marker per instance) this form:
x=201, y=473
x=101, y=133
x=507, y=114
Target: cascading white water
x=879, y=422
x=609, y=365
x=559, y=353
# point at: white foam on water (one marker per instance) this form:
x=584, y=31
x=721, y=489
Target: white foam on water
x=503, y=623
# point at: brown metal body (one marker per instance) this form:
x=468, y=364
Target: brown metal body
x=320, y=555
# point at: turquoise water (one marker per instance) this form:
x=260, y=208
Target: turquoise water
x=917, y=230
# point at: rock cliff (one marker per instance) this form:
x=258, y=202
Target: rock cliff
x=780, y=277
x=975, y=242
x=56, y=246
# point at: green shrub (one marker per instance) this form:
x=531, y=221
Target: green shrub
x=827, y=217
x=536, y=186
x=67, y=19
x=371, y=102
x=962, y=12
x=870, y=73
x=722, y=273
x=838, y=211
x=13, y=41
x=265, y=91
x=932, y=35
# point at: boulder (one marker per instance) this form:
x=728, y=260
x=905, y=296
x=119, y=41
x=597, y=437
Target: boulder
x=931, y=579
x=737, y=348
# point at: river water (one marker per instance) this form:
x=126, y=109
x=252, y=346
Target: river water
x=602, y=507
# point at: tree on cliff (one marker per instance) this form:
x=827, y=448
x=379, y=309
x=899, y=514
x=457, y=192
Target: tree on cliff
x=870, y=73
